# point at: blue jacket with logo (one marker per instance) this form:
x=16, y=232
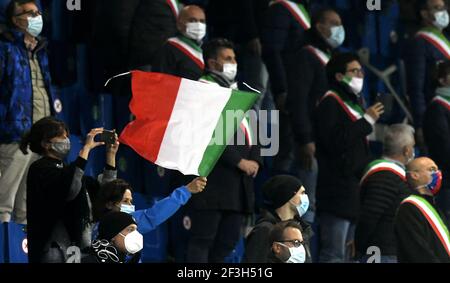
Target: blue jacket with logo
x=16, y=89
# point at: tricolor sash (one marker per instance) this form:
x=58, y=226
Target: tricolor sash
x=383, y=165
x=353, y=110
x=189, y=48
x=298, y=11
x=437, y=39
x=323, y=57
x=245, y=124
x=442, y=100
x=174, y=6
x=433, y=218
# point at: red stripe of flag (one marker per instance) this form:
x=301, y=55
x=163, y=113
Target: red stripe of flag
x=154, y=97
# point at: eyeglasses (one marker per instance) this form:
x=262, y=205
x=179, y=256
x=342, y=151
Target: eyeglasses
x=31, y=13
x=295, y=243
x=356, y=71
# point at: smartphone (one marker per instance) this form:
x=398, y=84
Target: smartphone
x=108, y=137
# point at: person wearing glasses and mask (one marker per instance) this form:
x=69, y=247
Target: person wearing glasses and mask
x=342, y=125
x=429, y=46
x=25, y=98
x=420, y=226
x=306, y=83
x=182, y=55
x=285, y=199
x=286, y=243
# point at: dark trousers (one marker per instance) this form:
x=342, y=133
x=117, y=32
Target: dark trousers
x=214, y=235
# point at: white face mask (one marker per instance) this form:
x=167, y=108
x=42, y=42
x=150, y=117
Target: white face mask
x=229, y=71
x=134, y=242
x=35, y=25
x=196, y=31
x=337, y=36
x=298, y=255
x=441, y=19
x=355, y=84
x=127, y=208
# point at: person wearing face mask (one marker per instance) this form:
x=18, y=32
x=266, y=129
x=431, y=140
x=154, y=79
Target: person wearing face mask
x=429, y=46
x=421, y=228
x=286, y=243
x=437, y=132
x=229, y=194
x=306, y=83
x=117, y=196
x=58, y=201
x=341, y=127
x=382, y=188
x=285, y=199
x=182, y=55
x=26, y=97
x=118, y=241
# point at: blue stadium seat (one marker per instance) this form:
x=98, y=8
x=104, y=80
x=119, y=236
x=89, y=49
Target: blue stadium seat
x=129, y=168
x=3, y=244
x=156, y=179
x=17, y=243
x=238, y=252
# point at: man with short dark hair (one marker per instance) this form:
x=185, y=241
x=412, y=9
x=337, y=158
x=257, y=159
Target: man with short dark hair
x=218, y=213
x=25, y=98
x=286, y=243
x=341, y=125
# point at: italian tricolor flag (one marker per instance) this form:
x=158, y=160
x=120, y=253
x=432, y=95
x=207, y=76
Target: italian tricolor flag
x=178, y=119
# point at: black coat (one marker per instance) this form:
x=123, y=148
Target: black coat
x=258, y=247
x=306, y=84
x=342, y=154
x=153, y=23
x=381, y=195
x=416, y=240
x=281, y=34
x=171, y=60
x=437, y=137
x=48, y=187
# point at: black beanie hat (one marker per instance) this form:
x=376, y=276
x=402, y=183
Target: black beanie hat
x=280, y=189
x=112, y=224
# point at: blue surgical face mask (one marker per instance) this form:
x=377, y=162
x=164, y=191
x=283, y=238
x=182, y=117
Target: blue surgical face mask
x=127, y=208
x=337, y=36
x=441, y=19
x=302, y=208
x=35, y=25
x=297, y=254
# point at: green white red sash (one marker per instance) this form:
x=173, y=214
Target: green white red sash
x=245, y=124
x=189, y=48
x=442, y=100
x=323, y=57
x=433, y=218
x=174, y=6
x=383, y=165
x=353, y=110
x=298, y=11
x=437, y=39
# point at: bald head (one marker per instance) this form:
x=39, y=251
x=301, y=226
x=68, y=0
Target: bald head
x=190, y=14
x=419, y=171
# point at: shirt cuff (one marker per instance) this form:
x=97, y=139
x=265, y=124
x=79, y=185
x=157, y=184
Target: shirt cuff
x=369, y=119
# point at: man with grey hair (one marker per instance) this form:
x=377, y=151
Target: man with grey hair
x=383, y=187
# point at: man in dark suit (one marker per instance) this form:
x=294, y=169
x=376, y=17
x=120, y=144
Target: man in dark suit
x=217, y=215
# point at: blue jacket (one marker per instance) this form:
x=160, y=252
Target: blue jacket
x=16, y=89
x=421, y=58
x=148, y=219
